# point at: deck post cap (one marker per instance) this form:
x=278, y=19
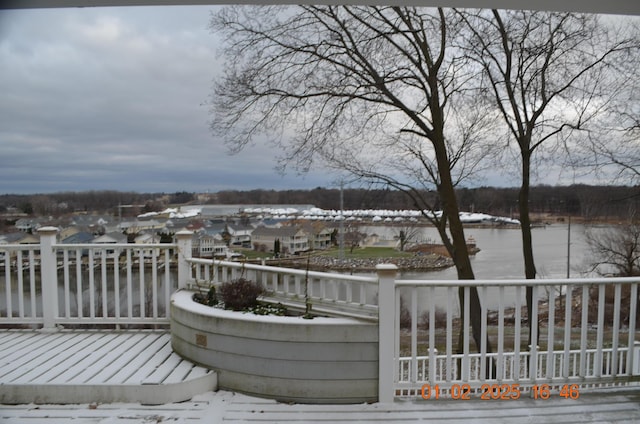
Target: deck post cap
x=47, y=230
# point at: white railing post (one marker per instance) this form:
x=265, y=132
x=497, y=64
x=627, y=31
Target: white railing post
x=386, y=330
x=636, y=358
x=49, y=276
x=184, y=253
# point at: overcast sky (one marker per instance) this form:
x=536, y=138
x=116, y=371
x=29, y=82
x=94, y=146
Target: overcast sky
x=113, y=98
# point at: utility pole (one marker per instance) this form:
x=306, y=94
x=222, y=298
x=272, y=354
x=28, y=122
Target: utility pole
x=569, y=249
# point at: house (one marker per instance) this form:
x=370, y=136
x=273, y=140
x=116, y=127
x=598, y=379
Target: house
x=293, y=240
x=138, y=226
x=110, y=238
x=239, y=234
x=95, y=224
x=68, y=232
x=19, y=238
x=28, y=225
x=209, y=245
x=80, y=237
x=318, y=233
x=148, y=238
x=173, y=225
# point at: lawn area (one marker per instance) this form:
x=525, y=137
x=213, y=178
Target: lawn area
x=367, y=252
x=253, y=254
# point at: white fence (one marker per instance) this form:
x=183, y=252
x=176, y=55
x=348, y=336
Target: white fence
x=590, y=343
x=86, y=284
x=587, y=332
x=330, y=293
x=21, y=301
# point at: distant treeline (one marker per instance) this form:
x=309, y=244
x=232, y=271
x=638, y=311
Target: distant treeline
x=577, y=200
x=585, y=201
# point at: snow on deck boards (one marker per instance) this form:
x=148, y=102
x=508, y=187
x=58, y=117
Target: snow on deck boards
x=226, y=407
x=80, y=376
x=101, y=366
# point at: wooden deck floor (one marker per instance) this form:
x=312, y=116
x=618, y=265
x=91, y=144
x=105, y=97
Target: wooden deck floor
x=96, y=366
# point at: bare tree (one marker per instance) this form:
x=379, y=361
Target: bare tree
x=615, y=250
x=546, y=73
x=406, y=233
x=353, y=237
x=373, y=91
x=612, y=146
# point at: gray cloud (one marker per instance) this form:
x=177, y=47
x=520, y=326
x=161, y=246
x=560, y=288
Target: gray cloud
x=112, y=98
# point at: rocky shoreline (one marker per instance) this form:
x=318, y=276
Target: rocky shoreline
x=423, y=262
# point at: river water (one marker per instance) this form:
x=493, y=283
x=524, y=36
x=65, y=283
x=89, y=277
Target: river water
x=500, y=255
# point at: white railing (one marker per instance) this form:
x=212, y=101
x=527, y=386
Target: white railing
x=583, y=347
x=21, y=303
x=93, y=285
x=592, y=343
x=115, y=284
x=329, y=293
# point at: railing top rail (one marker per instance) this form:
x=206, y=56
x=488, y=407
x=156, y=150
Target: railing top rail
x=29, y=246
x=90, y=246
x=291, y=271
x=517, y=282
x=114, y=245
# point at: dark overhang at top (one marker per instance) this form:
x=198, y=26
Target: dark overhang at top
x=618, y=7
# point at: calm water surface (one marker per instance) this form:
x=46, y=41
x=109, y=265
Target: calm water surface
x=500, y=255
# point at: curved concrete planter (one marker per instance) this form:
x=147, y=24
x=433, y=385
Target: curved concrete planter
x=323, y=360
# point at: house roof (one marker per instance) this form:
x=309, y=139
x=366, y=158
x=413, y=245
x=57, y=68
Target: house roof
x=88, y=220
x=206, y=236
x=78, y=238
x=276, y=232
x=315, y=227
x=147, y=238
x=239, y=229
x=113, y=237
x=18, y=238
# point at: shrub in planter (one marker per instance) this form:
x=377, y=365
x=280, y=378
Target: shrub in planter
x=240, y=294
x=211, y=299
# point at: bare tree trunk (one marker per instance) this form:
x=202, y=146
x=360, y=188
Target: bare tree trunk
x=527, y=240
x=460, y=255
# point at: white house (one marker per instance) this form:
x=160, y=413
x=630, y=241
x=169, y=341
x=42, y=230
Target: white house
x=239, y=235
x=110, y=238
x=292, y=239
x=318, y=233
x=209, y=246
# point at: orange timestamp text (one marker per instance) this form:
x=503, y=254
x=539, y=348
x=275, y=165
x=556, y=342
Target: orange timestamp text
x=498, y=391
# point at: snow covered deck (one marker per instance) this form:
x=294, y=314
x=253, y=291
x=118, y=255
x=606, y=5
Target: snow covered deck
x=133, y=377
x=96, y=366
x=227, y=407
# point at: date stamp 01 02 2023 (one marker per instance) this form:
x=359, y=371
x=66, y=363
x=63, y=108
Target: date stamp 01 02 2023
x=499, y=392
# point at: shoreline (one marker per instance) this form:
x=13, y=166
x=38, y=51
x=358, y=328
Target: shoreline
x=426, y=262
